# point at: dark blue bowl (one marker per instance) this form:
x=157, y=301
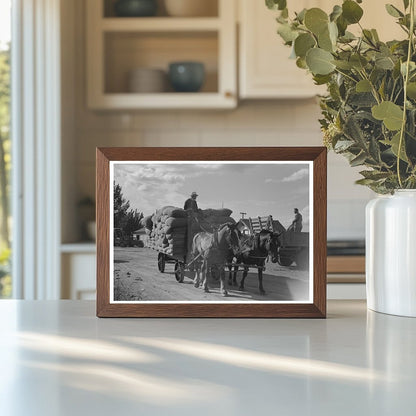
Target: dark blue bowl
x=187, y=76
x=135, y=8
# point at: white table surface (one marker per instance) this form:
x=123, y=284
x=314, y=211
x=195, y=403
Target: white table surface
x=57, y=358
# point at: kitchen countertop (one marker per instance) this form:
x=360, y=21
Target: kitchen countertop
x=57, y=358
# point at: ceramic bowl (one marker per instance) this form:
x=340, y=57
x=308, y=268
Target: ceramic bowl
x=135, y=8
x=186, y=76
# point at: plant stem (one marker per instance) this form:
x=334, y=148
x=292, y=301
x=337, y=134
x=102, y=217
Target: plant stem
x=406, y=80
x=346, y=75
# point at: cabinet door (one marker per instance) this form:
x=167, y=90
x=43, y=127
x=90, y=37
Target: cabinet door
x=265, y=68
x=78, y=276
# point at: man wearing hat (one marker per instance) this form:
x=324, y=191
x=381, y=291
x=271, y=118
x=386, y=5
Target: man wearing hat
x=191, y=204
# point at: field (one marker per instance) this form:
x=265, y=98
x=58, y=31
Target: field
x=137, y=278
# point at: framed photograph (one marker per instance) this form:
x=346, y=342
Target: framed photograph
x=211, y=232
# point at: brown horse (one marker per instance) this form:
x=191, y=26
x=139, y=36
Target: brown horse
x=212, y=249
x=254, y=252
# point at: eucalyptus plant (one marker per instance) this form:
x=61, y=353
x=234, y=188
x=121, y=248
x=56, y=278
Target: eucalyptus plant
x=369, y=112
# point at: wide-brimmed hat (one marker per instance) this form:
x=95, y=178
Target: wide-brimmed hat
x=194, y=193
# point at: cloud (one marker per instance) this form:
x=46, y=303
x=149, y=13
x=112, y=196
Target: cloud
x=300, y=174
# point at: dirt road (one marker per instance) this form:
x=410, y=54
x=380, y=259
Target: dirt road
x=136, y=278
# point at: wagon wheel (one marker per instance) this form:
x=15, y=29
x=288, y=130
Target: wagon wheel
x=284, y=260
x=161, y=262
x=179, y=271
x=302, y=259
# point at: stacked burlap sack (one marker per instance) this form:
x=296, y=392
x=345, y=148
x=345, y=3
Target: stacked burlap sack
x=210, y=219
x=167, y=228
x=168, y=231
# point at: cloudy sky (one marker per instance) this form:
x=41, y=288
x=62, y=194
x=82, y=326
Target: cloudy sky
x=257, y=189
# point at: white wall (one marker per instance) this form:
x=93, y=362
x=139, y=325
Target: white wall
x=256, y=123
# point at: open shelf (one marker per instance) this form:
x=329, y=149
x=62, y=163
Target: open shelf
x=119, y=45
x=165, y=101
x=126, y=51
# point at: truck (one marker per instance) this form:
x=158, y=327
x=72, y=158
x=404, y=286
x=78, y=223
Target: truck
x=293, y=246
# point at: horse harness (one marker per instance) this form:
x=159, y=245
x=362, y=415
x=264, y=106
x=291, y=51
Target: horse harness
x=251, y=247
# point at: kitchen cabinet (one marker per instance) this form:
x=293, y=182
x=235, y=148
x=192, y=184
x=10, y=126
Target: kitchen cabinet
x=118, y=45
x=78, y=263
x=265, y=70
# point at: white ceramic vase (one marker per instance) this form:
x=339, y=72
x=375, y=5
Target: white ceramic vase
x=391, y=253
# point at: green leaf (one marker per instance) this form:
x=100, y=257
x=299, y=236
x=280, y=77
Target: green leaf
x=358, y=160
x=363, y=86
x=343, y=145
x=342, y=25
x=321, y=79
x=412, y=67
x=303, y=43
x=336, y=12
x=301, y=15
x=388, y=112
x=333, y=32
x=316, y=20
x=319, y=61
x=411, y=90
x=276, y=4
x=394, y=145
x=353, y=131
x=374, y=150
x=375, y=35
x=368, y=36
x=325, y=42
x=287, y=33
x=351, y=11
x=301, y=63
x=374, y=175
x=358, y=61
x=393, y=11
x=365, y=182
x=344, y=65
x=384, y=62
x=347, y=37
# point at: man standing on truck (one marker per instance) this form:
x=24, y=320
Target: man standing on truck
x=296, y=225
x=191, y=204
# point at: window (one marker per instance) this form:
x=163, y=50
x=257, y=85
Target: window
x=5, y=147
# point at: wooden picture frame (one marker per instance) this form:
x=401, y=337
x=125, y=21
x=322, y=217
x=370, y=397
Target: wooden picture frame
x=314, y=307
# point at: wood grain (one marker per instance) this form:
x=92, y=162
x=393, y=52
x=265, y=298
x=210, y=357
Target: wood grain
x=317, y=309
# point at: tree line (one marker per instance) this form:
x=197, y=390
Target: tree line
x=125, y=218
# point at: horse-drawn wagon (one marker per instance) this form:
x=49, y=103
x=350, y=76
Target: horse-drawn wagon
x=180, y=259
x=292, y=246
x=171, y=232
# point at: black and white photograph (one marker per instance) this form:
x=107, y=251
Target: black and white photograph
x=191, y=232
